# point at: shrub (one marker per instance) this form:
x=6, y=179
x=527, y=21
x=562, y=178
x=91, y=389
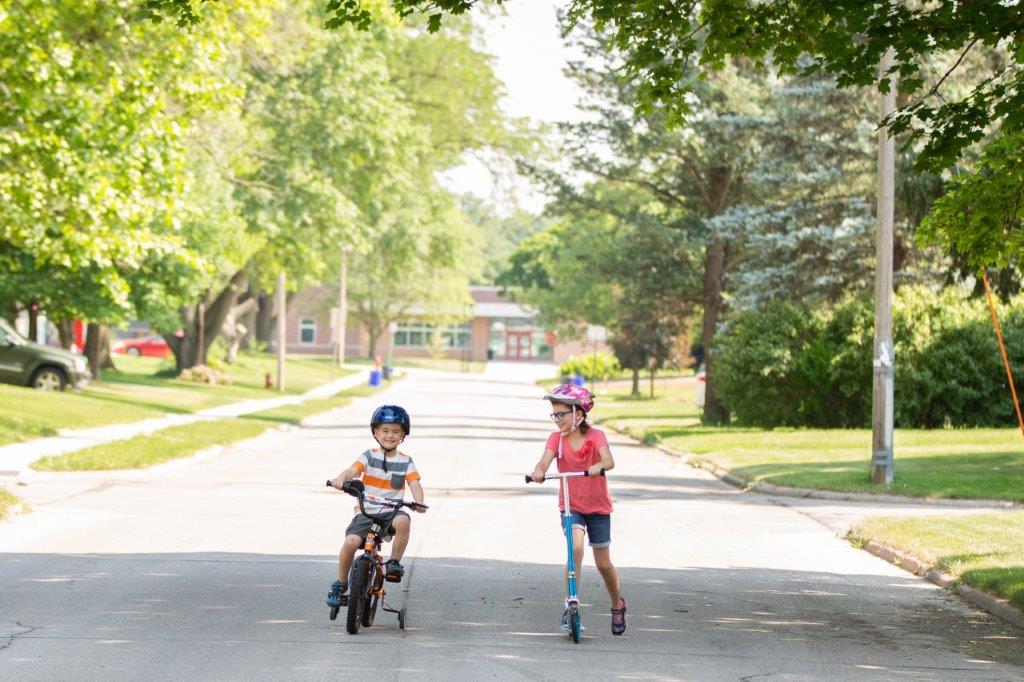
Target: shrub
x=592, y=366
x=788, y=365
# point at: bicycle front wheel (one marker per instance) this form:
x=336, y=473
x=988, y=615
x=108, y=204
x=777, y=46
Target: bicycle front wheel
x=372, y=601
x=359, y=587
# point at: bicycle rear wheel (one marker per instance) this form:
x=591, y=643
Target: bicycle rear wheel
x=358, y=590
x=575, y=629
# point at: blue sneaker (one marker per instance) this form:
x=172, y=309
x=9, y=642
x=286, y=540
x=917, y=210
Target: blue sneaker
x=336, y=597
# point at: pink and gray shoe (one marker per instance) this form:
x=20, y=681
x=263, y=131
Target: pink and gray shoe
x=619, y=618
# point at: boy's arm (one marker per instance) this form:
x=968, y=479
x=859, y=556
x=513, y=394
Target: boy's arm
x=606, y=463
x=346, y=475
x=542, y=465
x=417, y=495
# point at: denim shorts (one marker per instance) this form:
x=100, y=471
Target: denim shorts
x=597, y=526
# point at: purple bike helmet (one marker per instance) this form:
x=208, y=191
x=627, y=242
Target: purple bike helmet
x=569, y=394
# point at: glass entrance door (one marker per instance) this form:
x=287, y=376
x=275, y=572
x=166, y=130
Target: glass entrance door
x=519, y=345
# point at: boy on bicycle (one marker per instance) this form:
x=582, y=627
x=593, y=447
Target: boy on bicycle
x=384, y=472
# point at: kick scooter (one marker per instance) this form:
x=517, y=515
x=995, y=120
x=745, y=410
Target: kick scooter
x=572, y=601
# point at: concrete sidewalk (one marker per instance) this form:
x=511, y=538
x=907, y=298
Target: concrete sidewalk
x=15, y=458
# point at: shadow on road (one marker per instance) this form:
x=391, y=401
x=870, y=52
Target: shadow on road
x=232, y=616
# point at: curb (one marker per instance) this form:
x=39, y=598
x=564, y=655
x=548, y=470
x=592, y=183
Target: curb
x=997, y=606
x=810, y=493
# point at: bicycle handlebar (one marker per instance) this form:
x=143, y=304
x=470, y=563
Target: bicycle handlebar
x=395, y=504
x=565, y=474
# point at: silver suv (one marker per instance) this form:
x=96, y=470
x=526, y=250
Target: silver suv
x=31, y=364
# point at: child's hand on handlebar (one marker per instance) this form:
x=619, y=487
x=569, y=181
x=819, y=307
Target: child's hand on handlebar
x=537, y=476
x=595, y=470
x=420, y=508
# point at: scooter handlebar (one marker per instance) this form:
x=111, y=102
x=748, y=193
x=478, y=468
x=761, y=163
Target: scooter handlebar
x=567, y=474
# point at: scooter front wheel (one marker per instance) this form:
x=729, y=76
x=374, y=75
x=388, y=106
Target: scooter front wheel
x=575, y=628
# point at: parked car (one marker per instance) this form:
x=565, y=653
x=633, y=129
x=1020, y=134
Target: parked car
x=153, y=346
x=31, y=364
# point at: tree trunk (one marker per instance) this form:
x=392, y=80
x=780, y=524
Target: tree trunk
x=374, y=335
x=635, y=393
x=714, y=273
x=264, y=328
x=248, y=320
x=187, y=349
x=97, y=349
x=66, y=332
x=33, y=322
x=233, y=330
x=652, y=383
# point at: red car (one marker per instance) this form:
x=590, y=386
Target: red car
x=153, y=346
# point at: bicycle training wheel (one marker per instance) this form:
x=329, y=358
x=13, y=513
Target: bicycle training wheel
x=574, y=623
x=358, y=589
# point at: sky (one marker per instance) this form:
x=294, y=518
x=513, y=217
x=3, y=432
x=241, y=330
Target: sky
x=529, y=58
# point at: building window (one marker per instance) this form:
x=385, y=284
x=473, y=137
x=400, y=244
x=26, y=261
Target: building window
x=307, y=331
x=423, y=335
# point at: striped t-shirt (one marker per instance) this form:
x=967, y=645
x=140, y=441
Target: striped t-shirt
x=385, y=478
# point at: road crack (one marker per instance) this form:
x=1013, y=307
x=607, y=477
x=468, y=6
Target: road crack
x=7, y=641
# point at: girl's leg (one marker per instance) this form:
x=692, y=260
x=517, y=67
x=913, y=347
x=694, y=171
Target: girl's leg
x=603, y=561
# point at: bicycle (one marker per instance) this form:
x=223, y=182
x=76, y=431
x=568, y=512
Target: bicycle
x=572, y=600
x=367, y=576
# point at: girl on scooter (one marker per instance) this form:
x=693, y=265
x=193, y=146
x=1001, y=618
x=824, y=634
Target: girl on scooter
x=577, y=446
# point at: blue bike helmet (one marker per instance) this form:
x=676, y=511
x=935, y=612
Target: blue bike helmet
x=390, y=414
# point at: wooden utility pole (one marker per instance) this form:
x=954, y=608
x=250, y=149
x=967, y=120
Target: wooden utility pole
x=339, y=329
x=281, y=322
x=884, y=358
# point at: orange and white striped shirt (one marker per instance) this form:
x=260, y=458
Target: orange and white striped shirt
x=385, y=477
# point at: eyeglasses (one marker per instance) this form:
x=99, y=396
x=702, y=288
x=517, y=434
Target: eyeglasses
x=557, y=416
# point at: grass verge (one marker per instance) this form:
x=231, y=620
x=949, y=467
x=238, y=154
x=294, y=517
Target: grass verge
x=940, y=463
x=185, y=440
x=8, y=502
x=984, y=551
x=143, y=388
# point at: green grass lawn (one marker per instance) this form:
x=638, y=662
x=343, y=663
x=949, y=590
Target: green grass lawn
x=182, y=441
x=963, y=463
x=143, y=387
x=984, y=551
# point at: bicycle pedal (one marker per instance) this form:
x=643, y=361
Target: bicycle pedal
x=344, y=600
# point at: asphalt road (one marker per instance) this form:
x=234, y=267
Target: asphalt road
x=217, y=569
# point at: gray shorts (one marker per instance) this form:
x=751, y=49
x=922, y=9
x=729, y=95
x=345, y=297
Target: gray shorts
x=360, y=525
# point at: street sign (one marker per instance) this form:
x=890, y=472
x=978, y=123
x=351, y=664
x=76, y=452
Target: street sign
x=596, y=333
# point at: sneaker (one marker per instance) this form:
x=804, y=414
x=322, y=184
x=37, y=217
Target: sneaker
x=393, y=571
x=619, y=618
x=336, y=596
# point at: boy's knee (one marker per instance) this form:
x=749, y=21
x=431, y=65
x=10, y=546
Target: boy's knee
x=352, y=542
x=401, y=523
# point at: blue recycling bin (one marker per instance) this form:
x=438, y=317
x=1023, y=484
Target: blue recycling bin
x=577, y=380
x=375, y=377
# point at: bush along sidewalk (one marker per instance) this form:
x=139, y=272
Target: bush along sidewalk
x=183, y=441
x=980, y=556
x=9, y=504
